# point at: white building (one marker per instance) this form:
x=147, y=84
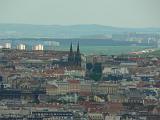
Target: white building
x=110, y=70
x=7, y=45
x=38, y=47
x=21, y=47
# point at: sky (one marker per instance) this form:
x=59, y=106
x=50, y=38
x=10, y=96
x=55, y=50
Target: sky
x=119, y=13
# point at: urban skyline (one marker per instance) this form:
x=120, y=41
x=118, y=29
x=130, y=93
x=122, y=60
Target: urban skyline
x=65, y=60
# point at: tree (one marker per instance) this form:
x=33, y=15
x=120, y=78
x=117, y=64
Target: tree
x=96, y=73
x=89, y=66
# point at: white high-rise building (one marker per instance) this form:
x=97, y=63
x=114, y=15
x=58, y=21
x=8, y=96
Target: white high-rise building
x=21, y=47
x=7, y=45
x=38, y=47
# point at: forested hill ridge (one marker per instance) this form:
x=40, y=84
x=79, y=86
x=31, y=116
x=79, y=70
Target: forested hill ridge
x=65, y=31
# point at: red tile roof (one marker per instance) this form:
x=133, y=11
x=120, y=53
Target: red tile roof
x=74, y=81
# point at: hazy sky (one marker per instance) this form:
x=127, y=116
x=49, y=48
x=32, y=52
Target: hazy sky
x=123, y=13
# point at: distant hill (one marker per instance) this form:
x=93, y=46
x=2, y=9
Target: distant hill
x=64, y=31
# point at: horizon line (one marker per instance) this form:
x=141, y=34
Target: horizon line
x=79, y=24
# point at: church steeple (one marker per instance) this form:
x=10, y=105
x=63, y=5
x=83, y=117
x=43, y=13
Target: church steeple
x=78, y=51
x=78, y=56
x=74, y=58
x=71, y=49
x=71, y=55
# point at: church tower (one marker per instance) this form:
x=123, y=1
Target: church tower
x=78, y=56
x=71, y=55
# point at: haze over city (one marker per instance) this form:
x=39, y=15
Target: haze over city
x=79, y=60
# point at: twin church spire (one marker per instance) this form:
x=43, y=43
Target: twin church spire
x=74, y=58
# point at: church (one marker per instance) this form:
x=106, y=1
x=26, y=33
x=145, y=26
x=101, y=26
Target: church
x=74, y=58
